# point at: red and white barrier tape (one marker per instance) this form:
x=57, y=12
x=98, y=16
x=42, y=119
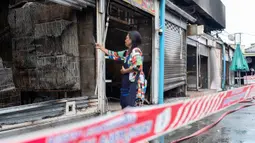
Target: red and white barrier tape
x=249, y=79
x=139, y=124
x=203, y=130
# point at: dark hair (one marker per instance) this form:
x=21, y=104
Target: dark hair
x=136, y=39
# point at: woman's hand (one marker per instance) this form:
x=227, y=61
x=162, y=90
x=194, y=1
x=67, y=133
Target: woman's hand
x=123, y=70
x=98, y=46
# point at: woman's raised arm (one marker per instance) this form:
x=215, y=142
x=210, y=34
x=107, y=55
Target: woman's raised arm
x=113, y=55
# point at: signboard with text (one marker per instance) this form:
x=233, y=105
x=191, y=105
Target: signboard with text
x=146, y=5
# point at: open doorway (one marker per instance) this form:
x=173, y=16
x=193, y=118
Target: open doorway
x=203, y=82
x=191, y=67
x=123, y=18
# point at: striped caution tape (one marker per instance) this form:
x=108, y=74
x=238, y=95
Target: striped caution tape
x=139, y=124
x=206, y=128
x=249, y=79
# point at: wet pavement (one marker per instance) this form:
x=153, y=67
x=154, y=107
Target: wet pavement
x=238, y=127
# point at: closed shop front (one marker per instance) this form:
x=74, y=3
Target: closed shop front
x=198, y=63
x=216, y=67
x=175, y=52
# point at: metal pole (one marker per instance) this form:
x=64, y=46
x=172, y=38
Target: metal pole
x=100, y=56
x=155, y=57
x=155, y=61
x=161, y=52
x=197, y=66
x=224, y=67
x=106, y=29
x=239, y=78
x=161, y=55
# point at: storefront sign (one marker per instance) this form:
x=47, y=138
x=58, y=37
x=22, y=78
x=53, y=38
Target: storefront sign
x=146, y=5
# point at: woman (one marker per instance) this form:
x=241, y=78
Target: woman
x=133, y=80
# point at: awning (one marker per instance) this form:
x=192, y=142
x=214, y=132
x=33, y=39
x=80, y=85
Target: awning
x=78, y=4
x=172, y=6
x=239, y=63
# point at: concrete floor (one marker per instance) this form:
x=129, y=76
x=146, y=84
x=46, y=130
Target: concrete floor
x=201, y=92
x=113, y=106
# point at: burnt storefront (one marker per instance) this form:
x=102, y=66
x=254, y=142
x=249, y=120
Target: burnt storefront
x=50, y=51
x=198, y=63
x=202, y=73
x=123, y=18
x=48, y=61
x=120, y=17
x=175, y=79
x=47, y=44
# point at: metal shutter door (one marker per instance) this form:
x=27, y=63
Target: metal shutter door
x=175, y=61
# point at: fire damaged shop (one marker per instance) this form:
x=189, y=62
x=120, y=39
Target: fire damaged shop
x=49, y=61
x=121, y=17
x=47, y=66
x=124, y=18
x=45, y=50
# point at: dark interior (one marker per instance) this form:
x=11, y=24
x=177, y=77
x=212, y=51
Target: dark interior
x=123, y=20
x=191, y=67
x=204, y=72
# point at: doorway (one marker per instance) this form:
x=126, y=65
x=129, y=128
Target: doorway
x=191, y=67
x=196, y=68
x=203, y=79
x=124, y=18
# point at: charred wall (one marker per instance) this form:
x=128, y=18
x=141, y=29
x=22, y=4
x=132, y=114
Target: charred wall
x=86, y=30
x=45, y=48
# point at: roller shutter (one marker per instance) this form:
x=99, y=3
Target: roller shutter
x=175, y=55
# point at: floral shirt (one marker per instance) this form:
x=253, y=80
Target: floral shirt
x=136, y=62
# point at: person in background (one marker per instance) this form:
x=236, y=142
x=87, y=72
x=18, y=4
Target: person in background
x=252, y=71
x=133, y=78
